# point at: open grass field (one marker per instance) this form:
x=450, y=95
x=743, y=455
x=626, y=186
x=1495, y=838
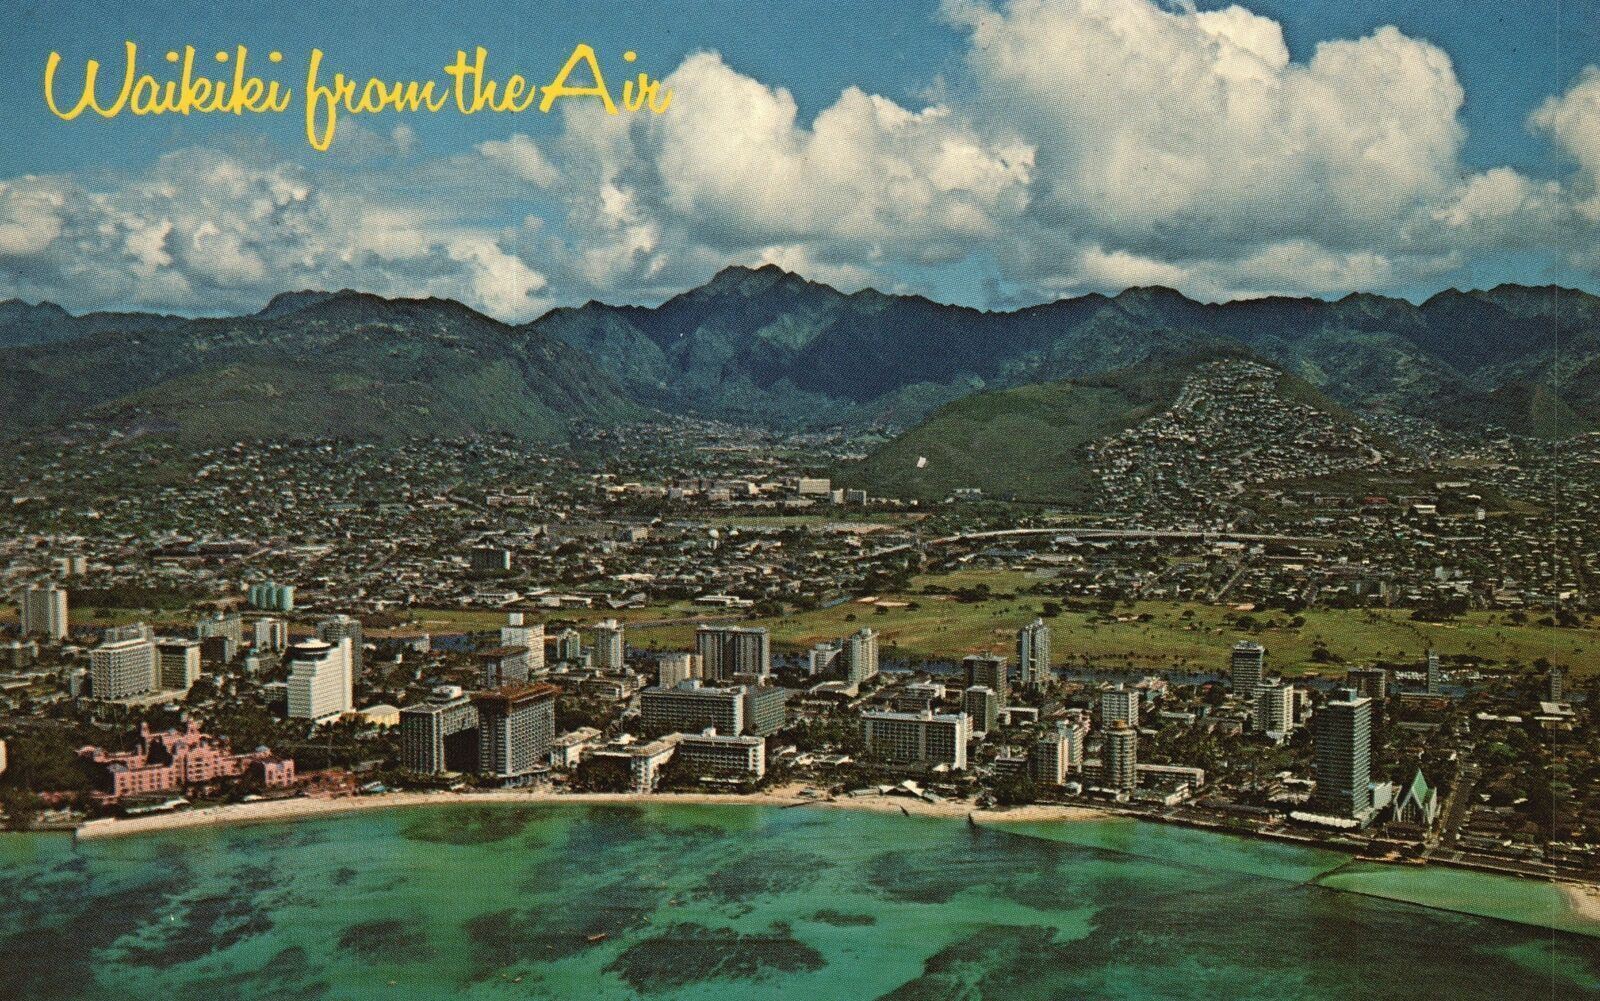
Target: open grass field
x=1177, y=634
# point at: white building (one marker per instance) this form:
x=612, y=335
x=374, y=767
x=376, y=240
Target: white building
x=271, y=635
x=180, y=663
x=675, y=667
x=1119, y=704
x=125, y=665
x=1119, y=756
x=321, y=680
x=861, y=657
x=1033, y=653
x=1059, y=752
x=343, y=627
x=918, y=738
x=729, y=650
x=608, y=646
x=44, y=612
x=823, y=656
x=1275, y=709
x=519, y=632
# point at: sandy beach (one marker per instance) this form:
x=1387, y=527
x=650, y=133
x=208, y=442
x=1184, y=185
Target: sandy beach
x=272, y=811
x=1585, y=900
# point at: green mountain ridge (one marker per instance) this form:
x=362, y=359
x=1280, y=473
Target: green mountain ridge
x=1032, y=443
x=720, y=350
x=345, y=365
x=768, y=347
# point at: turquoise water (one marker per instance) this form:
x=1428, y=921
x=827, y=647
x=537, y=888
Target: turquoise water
x=699, y=902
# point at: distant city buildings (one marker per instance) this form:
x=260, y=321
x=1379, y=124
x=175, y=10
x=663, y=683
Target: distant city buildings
x=729, y=650
x=270, y=597
x=1033, y=654
x=43, y=612
x=1434, y=677
x=71, y=566
x=490, y=559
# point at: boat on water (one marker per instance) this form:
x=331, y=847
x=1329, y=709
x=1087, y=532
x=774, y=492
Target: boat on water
x=599, y=936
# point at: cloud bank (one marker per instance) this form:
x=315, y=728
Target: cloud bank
x=1086, y=144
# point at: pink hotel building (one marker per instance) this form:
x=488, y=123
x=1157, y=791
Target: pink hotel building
x=176, y=759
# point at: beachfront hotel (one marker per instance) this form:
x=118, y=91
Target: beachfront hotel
x=321, y=680
x=441, y=734
x=1343, y=750
x=918, y=738
x=516, y=726
x=173, y=760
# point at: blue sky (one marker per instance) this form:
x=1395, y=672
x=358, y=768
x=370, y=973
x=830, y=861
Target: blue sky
x=1032, y=191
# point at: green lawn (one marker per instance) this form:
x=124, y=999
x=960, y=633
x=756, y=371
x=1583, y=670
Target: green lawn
x=1188, y=635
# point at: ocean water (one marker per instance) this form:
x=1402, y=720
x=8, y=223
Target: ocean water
x=714, y=902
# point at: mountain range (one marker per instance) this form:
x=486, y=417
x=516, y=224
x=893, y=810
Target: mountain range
x=769, y=347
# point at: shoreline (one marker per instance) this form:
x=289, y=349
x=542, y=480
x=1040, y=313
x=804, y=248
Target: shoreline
x=1583, y=899
x=282, y=810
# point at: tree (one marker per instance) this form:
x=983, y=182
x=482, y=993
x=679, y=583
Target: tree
x=1016, y=789
x=603, y=773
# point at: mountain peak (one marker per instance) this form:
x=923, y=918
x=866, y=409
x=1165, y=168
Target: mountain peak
x=291, y=302
x=44, y=307
x=740, y=279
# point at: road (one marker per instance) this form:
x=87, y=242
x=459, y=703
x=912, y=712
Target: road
x=1094, y=534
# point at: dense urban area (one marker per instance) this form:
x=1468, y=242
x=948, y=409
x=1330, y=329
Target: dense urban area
x=1370, y=633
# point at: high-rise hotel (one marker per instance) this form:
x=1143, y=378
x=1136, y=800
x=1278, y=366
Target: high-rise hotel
x=125, y=664
x=1247, y=666
x=1033, y=654
x=918, y=738
x=321, y=679
x=1342, y=742
x=44, y=612
x=729, y=650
